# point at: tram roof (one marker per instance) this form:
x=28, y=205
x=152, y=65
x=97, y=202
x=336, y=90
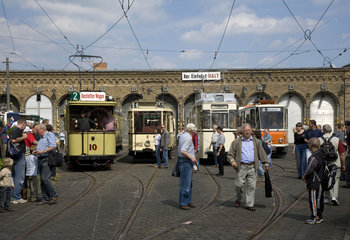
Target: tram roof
x=215, y=98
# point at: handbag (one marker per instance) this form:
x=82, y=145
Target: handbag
x=55, y=158
x=13, y=150
x=268, y=185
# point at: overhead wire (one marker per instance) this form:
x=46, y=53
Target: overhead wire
x=223, y=35
x=53, y=22
x=8, y=26
x=110, y=28
x=307, y=35
x=42, y=34
x=138, y=42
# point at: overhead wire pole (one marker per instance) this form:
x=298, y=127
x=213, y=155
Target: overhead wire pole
x=223, y=35
x=7, y=84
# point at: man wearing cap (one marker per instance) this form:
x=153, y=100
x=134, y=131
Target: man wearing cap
x=186, y=160
x=244, y=155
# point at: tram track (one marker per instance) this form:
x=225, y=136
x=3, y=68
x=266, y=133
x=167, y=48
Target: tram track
x=279, y=211
x=145, y=188
x=92, y=186
x=212, y=203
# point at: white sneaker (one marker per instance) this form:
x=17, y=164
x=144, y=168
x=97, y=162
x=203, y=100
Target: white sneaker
x=325, y=201
x=335, y=202
x=21, y=200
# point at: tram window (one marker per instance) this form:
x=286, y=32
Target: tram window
x=252, y=118
x=220, y=118
x=257, y=119
x=205, y=120
x=232, y=119
x=271, y=118
x=146, y=122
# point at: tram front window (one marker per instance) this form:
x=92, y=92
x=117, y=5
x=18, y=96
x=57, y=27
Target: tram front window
x=147, y=122
x=271, y=118
x=219, y=118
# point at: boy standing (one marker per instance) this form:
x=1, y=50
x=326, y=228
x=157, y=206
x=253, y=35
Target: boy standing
x=313, y=179
x=6, y=185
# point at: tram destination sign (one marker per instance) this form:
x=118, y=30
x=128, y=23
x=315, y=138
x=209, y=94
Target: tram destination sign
x=200, y=76
x=89, y=96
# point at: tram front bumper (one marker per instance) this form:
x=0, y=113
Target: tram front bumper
x=91, y=160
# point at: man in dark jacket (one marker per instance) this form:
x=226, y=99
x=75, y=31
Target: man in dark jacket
x=313, y=178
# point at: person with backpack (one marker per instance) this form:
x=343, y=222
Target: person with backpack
x=313, y=178
x=331, y=145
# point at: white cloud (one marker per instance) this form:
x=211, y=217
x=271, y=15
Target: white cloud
x=345, y=35
x=158, y=62
x=276, y=44
x=245, y=23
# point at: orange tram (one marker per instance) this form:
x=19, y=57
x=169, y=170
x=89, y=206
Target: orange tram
x=267, y=115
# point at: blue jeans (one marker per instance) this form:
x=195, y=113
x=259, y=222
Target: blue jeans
x=185, y=166
x=269, y=156
x=214, y=154
x=165, y=156
x=158, y=155
x=47, y=189
x=18, y=174
x=300, y=151
x=260, y=169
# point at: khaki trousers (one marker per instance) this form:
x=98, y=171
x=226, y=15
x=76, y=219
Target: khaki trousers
x=246, y=175
x=333, y=193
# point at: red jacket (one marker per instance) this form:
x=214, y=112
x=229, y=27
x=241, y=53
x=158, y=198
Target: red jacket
x=195, y=141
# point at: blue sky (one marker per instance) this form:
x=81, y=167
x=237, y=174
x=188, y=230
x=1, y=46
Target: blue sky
x=175, y=34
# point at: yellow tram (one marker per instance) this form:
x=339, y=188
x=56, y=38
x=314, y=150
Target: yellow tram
x=93, y=129
x=143, y=119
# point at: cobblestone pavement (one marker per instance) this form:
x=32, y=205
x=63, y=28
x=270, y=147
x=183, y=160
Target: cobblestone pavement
x=98, y=205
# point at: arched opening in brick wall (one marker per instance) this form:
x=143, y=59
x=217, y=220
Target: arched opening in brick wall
x=188, y=106
x=126, y=105
x=295, y=112
x=258, y=96
x=14, y=103
x=41, y=106
x=323, y=109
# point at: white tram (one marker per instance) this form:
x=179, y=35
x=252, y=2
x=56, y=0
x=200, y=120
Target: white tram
x=210, y=109
x=143, y=119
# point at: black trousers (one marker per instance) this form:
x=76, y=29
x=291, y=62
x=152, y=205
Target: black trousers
x=316, y=202
x=221, y=160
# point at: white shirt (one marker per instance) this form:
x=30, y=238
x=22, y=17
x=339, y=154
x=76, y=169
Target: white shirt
x=214, y=137
x=157, y=139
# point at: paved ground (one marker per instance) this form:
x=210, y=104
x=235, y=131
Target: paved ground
x=98, y=205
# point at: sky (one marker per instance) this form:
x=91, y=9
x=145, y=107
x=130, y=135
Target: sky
x=174, y=34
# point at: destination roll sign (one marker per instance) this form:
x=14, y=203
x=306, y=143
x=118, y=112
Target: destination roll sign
x=88, y=96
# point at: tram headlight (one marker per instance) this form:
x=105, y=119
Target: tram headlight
x=280, y=140
x=147, y=143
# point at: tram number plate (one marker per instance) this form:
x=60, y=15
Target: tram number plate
x=93, y=147
x=138, y=144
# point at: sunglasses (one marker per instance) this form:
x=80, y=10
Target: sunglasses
x=299, y=126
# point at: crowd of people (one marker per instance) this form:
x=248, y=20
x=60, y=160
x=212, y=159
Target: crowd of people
x=250, y=155
x=19, y=176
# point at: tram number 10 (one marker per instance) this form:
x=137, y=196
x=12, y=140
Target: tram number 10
x=93, y=147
